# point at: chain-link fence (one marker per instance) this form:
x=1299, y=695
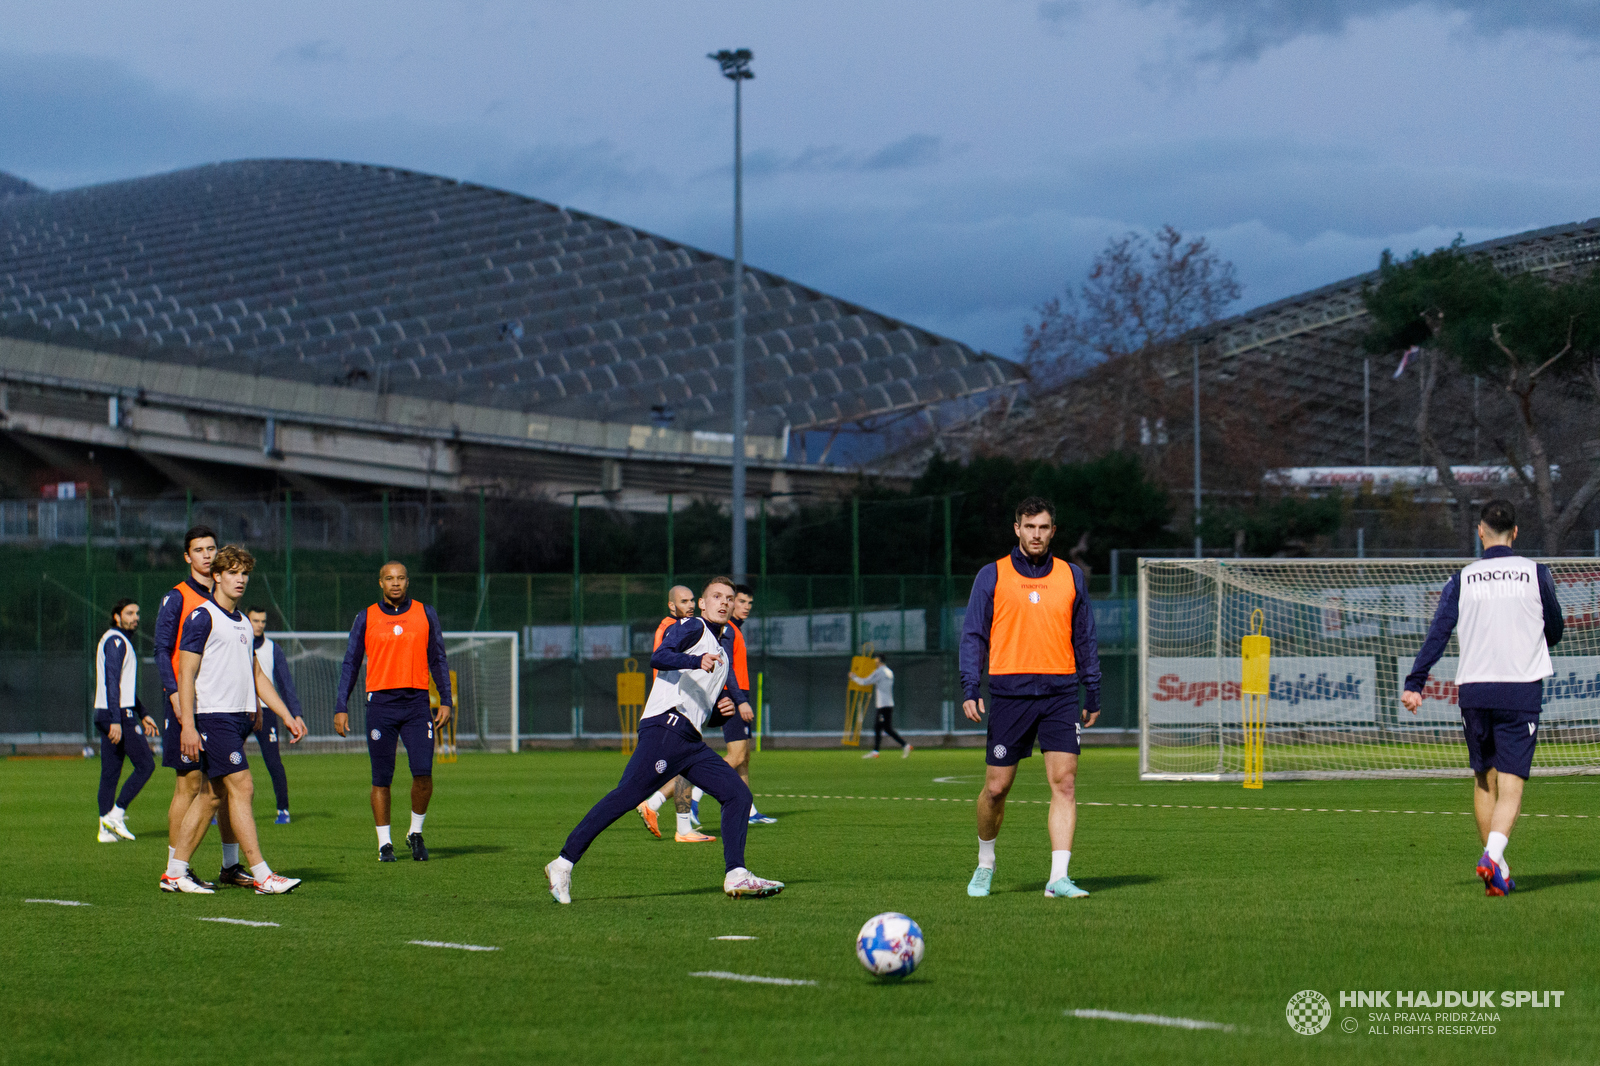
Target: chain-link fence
x=801, y=638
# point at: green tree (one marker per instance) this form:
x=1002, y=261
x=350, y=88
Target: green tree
x=1464, y=315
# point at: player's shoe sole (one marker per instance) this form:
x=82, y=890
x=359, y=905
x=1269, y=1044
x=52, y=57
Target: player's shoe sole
x=982, y=878
x=1063, y=888
x=419, y=850
x=188, y=883
x=762, y=819
x=693, y=838
x=560, y=883
x=1494, y=882
x=276, y=885
x=652, y=822
x=742, y=884
x=386, y=853
x=119, y=828
x=238, y=875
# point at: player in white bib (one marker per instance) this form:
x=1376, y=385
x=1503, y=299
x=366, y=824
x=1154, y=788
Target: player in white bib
x=121, y=720
x=693, y=687
x=219, y=683
x=1504, y=610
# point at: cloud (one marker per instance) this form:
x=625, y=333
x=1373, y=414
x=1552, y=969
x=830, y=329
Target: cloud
x=1241, y=30
x=917, y=150
x=311, y=53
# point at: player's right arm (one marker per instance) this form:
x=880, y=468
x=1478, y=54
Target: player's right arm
x=347, y=673
x=975, y=641
x=166, y=639
x=1444, y=623
x=195, y=633
x=672, y=652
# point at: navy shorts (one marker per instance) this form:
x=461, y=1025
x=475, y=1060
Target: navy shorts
x=410, y=722
x=172, y=756
x=1016, y=722
x=222, y=738
x=736, y=728
x=1501, y=740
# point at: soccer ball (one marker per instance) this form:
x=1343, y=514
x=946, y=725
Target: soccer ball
x=890, y=945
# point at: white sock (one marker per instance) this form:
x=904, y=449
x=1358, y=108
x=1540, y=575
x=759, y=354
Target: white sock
x=383, y=836
x=416, y=821
x=172, y=853
x=261, y=871
x=1058, y=865
x=683, y=824
x=563, y=864
x=176, y=867
x=1497, y=851
x=230, y=855
x=655, y=802
x=696, y=794
x=117, y=814
x=986, y=853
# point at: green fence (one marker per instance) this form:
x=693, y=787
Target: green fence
x=51, y=620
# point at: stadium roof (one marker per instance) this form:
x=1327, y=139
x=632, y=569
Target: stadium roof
x=397, y=283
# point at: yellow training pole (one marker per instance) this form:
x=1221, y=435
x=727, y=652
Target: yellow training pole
x=857, y=696
x=1255, y=685
x=630, y=703
x=444, y=740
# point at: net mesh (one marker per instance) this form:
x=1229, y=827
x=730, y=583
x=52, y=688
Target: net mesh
x=484, y=665
x=1344, y=634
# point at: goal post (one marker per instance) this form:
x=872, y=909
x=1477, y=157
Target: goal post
x=486, y=669
x=1344, y=633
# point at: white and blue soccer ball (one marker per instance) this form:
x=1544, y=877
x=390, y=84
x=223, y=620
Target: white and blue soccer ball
x=890, y=945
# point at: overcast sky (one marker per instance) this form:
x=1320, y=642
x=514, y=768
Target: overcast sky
x=949, y=163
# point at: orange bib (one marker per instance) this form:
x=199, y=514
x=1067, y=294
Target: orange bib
x=397, y=648
x=1032, y=628
x=191, y=600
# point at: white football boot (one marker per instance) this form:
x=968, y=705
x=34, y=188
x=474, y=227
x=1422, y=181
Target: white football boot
x=276, y=885
x=741, y=882
x=560, y=883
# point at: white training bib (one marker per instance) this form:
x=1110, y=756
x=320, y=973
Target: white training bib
x=692, y=693
x=1500, y=622
x=226, y=682
x=126, y=689
x=265, y=658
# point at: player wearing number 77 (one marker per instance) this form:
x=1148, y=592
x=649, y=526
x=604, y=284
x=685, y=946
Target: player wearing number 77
x=693, y=685
x=1030, y=618
x=1509, y=619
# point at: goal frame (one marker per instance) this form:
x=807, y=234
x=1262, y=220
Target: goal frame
x=449, y=634
x=1417, y=773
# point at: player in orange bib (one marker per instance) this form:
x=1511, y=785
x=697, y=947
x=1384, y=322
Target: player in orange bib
x=1030, y=622
x=403, y=645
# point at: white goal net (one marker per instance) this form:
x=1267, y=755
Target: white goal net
x=1344, y=635
x=485, y=669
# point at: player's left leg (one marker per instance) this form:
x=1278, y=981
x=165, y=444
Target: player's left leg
x=722, y=783
x=144, y=765
x=416, y=732
x=267, y=740
x=1058, y=737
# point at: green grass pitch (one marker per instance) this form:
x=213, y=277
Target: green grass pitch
x=1197, y=911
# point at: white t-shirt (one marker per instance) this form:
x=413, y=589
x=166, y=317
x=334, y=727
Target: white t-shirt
x=882, y=679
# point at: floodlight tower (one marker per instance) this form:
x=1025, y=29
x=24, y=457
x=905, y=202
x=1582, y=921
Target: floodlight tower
x=735, y=66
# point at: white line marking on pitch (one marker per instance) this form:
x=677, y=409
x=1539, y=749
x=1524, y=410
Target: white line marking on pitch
x=1149, y=1019
x=724, y=975
x=60, y=902
x=447, y=944
x=1159, y=806
x=241, y=921
x=733, y=938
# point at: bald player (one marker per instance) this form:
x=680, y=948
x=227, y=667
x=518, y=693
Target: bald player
x=403, y=645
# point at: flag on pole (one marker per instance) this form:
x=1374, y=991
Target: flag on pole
x=1405, y=360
